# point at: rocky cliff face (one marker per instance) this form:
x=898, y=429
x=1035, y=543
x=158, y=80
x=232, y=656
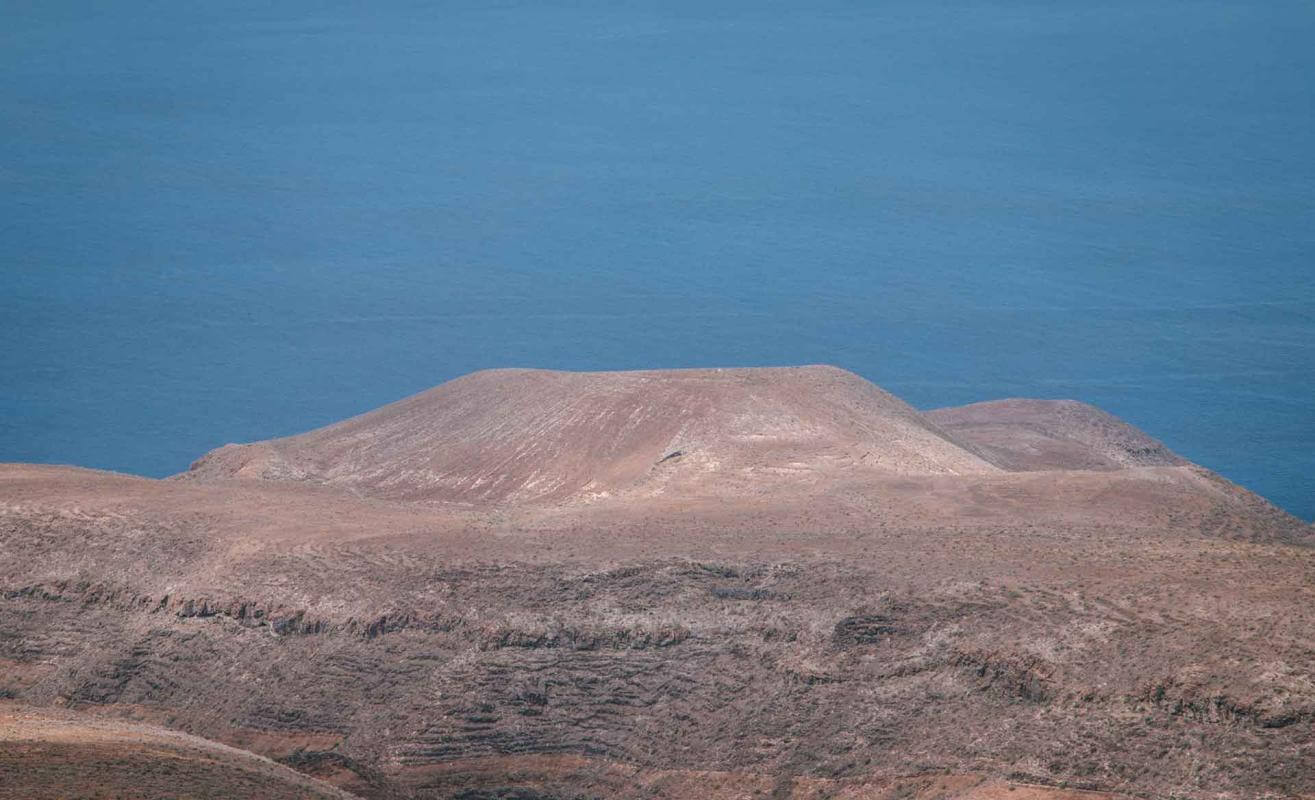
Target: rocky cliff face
x=954, y=626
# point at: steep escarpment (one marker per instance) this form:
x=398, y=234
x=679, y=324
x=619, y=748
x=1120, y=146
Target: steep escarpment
x=512, y=436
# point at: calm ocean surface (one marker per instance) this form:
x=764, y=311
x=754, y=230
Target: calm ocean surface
x=228, y=221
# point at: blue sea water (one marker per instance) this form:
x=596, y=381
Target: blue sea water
x=226, y=221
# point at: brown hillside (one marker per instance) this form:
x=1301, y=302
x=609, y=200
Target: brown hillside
x=1022, y=434
x=779, y=612
x=54, y=755
x=509, y=436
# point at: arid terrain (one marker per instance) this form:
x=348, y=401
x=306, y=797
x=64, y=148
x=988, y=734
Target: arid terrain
x=49, y=755
x=769, y=583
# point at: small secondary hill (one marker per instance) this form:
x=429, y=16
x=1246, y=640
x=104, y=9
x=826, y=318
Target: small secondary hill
x=526, y=436
x=1032, y=435
x=51, y=755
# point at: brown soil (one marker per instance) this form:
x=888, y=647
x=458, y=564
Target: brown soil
x=826, y=594
x=49, y=755
x=515, y=436
x=1025, y=434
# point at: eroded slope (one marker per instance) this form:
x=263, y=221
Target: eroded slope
x=53, y=755
x=515, y=436
x=1026, y=434
x=512, y=587
x=1147, y=646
